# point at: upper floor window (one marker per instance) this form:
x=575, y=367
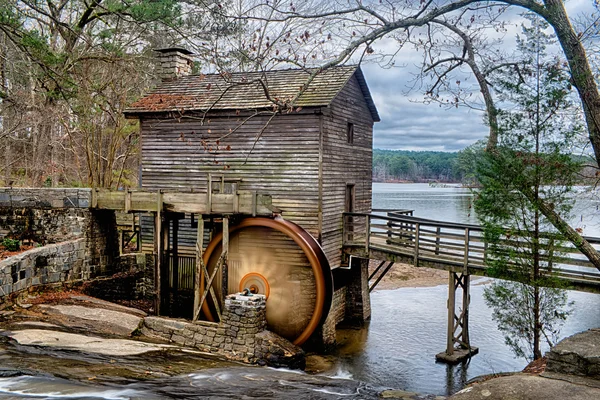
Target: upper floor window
x=350, y=132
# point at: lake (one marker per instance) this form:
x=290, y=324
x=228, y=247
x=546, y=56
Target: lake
x=408, y=325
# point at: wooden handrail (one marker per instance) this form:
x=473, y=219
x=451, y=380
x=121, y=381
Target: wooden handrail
x=455, y=246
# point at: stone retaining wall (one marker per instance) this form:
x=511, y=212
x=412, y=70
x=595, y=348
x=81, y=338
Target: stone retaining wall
x=53, y=263
x=56, y=215
x=241, y=335
x=44, y=215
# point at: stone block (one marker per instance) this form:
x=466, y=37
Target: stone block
x=178, y=339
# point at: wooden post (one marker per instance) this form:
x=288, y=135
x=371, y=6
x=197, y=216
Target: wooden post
x=209, y=195
x=466, y=290
x=368, y=234
x=224, y=253
x=165, y=267
x=344, y=230
x=127, y=201
x=121, y=242
x=199, y=262
x=437, y=240
x=451, y=309
x=175, y=258
x=417, y=229
x=466, y=254
x=158, y=252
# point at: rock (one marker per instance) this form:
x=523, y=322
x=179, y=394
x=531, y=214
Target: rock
x=120, y=323
x=281, y=352
x=110, y=305
x=86, y=344
x=576, y=355
x=526, y=387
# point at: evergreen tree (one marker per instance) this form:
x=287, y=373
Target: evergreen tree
x=537, y=134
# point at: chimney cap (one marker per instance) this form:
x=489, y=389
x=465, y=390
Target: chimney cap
x=173, y=49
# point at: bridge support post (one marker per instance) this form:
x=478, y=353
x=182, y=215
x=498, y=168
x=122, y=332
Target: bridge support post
x=458, y=346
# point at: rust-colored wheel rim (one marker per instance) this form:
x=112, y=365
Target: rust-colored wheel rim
x=283, y=261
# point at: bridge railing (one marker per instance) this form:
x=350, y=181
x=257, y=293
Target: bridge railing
x=461, y=246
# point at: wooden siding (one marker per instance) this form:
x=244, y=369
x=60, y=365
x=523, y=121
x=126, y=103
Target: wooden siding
x=284, y=162
x=345, y=163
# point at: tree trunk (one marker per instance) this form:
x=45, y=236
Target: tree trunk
x=581, y=73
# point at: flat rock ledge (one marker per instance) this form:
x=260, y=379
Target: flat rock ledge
x=83, y=343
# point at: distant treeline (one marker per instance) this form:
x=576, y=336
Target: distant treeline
x=439, y=166
x=415, y=166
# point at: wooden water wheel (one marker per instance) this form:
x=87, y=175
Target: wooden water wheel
x=281, y=260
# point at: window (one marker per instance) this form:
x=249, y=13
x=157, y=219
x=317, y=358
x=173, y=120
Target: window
x=350, y=196
x=350, y=132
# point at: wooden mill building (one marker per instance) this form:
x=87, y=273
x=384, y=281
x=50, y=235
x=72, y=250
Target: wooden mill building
x=314, y=159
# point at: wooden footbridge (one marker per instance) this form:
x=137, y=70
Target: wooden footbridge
x=460, y=249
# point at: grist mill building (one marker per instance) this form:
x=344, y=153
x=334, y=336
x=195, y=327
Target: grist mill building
x=218, y=134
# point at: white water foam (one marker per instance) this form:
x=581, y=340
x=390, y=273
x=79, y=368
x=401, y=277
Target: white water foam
x=36, y=387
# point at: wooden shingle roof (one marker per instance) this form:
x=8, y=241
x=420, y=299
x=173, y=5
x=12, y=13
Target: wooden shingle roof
x=241, y=91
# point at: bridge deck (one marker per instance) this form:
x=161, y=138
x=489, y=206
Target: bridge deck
x=399, y=237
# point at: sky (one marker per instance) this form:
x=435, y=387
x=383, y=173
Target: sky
x=408, y=124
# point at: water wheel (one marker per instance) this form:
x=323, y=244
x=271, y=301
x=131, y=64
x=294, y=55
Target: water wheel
x=281, y=260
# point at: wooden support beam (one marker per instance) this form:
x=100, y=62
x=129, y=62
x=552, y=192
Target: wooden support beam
x=464, y=317
x=175, y=258
x=451, y=313
x=224, y=255
x=466, y=252
x=417, y=229
x=385, y=271
x=158, y=252
x=127, y=201
x=376, y=270
x=199, y=266
x=367, y=233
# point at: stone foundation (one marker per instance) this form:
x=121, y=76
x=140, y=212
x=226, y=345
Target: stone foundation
x=241, y=335
x=358, y=300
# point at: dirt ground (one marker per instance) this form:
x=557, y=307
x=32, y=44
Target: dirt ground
x=4, y=253
x=406, y=275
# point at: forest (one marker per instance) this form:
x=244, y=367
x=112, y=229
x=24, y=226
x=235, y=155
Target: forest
x=416, y=166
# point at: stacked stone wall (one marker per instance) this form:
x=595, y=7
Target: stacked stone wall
x=56, y=215
x=44, y=215
x=50, y=264
x=241, y=335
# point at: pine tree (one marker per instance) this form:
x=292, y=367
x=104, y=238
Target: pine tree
x=538, y=133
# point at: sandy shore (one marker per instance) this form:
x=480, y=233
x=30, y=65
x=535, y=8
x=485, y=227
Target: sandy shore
x=405, y=275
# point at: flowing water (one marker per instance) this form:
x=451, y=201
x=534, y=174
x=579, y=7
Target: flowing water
x=397, y=349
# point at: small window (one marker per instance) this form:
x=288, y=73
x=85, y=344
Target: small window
x=350, y=198
x=350, y=132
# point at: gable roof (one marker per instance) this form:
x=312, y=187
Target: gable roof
x=215, y=92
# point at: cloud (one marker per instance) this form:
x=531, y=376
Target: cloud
x=407, y=124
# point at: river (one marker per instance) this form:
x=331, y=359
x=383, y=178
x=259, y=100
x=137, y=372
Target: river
x=396, y=350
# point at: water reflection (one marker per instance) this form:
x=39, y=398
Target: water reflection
x=408, y=327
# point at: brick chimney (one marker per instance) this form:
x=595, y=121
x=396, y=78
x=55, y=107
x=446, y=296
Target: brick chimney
x=175, y=62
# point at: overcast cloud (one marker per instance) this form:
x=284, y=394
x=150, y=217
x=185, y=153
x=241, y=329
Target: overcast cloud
x=408, y=124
